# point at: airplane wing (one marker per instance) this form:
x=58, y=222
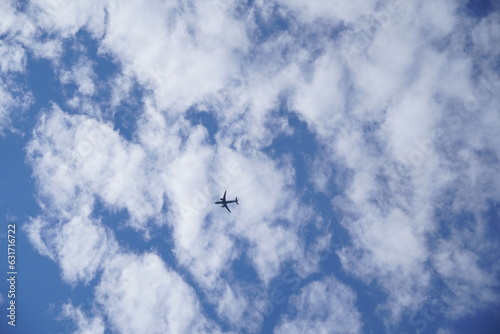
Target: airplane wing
x=224, y=197
x=227, y=208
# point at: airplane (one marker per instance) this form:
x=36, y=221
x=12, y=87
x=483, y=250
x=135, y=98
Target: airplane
x=224, y=202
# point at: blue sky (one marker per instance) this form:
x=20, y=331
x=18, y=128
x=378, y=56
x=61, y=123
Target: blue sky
x=362, y=139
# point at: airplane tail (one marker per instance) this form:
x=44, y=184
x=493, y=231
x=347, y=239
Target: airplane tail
x=236, y=200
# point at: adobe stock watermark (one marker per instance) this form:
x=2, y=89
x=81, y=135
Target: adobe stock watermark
x=289, y=281
x=430, y=312
x=482, y=94
x=11, y=271
x=94, y=138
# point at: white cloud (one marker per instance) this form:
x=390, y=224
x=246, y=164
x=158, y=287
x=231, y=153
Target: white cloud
x=390, y=250
x=82, y=245
x=79, y=245
x=438, y=19
x=13, y=97
x=65, y=18
x=242, y=306
x=322, y=99
x=485, y=35
x=13, y=57
x=76, y=158
x=188, y=55
x=443, y=331
x=82, y=74
x=337, y=10
x=472, y=282
x=135, y=293
x=35, y=230
x=83, y=323
x=326, y=306
x=140, y=295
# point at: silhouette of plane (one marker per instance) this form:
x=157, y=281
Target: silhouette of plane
x=224, y=202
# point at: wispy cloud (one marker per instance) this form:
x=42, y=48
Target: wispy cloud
x=140, y=295
x=326, y=306
x=83, y=323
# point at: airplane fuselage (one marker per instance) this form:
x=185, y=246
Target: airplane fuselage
x=225, y=202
